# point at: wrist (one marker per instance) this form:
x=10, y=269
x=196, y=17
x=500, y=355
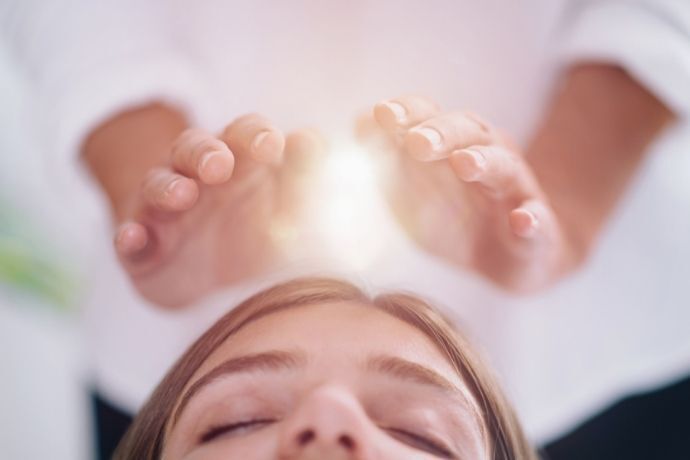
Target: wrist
x=122, y=150
x=592, y=141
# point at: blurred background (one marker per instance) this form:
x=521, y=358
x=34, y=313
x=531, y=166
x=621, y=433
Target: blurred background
x=44, y=407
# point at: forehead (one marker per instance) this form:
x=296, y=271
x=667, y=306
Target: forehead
x=342, y=333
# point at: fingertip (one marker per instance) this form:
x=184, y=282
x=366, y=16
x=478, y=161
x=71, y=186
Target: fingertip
x=130, y=239
x=181, y=194
x=216, y=167
x=468, y=164
x=524, y=223
x=423, y=143
x=404, y=111
x=305, y=140
x=390, y=114
x=367, y=127
x=304, y=149
x=268, y=146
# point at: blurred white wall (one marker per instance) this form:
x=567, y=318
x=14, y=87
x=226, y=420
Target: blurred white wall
x=43, y=400
x=42, y=393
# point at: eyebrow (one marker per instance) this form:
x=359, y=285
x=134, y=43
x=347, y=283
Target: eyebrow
x=284, y=360
x=408, y=370
x=268, y=361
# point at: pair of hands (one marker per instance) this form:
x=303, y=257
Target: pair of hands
x=457, y=187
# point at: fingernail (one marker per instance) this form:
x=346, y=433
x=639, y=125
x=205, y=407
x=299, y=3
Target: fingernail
x=207, y=159
x=171, y=186
x=268, y=146
x=120, y=234
x=475, y=118
x=469, y=164
x=258, y=139
x=215, y=167
x=126, y=242
x=398, y=110
x=531, y=229
x=432, y=136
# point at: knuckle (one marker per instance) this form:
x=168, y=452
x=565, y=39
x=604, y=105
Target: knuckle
x=201, y=146
x=244, y=122
x=153, y=176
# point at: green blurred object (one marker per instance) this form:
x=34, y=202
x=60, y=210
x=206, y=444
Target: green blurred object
x=28, y=265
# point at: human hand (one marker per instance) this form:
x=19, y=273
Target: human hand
x=213, y=215
x=464, y=193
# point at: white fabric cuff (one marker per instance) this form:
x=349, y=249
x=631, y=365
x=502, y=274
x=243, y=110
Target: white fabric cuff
x=80, y=106
x=642, y=38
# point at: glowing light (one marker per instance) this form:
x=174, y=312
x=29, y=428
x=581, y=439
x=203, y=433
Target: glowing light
x=350, y=167
x=351, y=214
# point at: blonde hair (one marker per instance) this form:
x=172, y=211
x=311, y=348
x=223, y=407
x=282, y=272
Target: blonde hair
x=505, y=439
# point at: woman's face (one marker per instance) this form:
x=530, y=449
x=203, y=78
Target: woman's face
x=339, y=381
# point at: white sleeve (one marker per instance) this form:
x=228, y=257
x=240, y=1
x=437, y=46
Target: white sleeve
x=86, y=60
x=648, y=38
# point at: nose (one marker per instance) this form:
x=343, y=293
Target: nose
x=328, y=424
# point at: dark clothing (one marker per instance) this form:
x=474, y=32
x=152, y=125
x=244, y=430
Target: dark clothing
x=111, y=424
x=648, y=426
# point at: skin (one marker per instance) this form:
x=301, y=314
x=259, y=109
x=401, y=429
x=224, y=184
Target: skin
x=196, y=210
x=524, y=220
x=458, y=186
x=331, y=400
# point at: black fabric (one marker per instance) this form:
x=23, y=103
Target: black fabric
x=649, y=426
x=111, y=424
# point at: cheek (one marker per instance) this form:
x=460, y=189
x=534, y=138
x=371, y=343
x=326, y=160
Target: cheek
x=384, y=447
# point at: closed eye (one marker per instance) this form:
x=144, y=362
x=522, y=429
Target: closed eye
x=237, y=428
x=423, y=443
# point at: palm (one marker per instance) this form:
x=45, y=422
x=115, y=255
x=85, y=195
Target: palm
x=463, y=194
x=225, y=233
x=455, y=221
x=225, y=238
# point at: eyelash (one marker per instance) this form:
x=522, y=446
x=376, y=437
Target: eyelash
x=216, y=431
x=421, y=442
x=418, y=441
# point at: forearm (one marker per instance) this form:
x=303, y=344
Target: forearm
x=590, y=145
x=120, y=152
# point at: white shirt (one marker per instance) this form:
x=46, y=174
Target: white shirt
x=620, y=324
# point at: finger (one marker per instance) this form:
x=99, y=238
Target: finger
x=254, y=136
x=532, y=220
x=200, y=155
x=403, y=112
x=166, y=190
x=367, y=128
x=303, y=149
x=131, y=241
x=375, y=140
x=137, y=248
x=495, y=171
x=438, y=137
